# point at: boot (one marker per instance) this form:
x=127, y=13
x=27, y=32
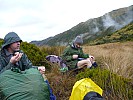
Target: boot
x=95, y=65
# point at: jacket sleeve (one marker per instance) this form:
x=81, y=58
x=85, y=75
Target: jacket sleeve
x=66, y=55
x=4, y=68
x=26, y=63
x=5, y=65
x=83, y=55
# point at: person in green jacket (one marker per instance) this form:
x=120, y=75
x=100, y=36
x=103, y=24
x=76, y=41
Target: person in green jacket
x=11, y=57
x=74, y=56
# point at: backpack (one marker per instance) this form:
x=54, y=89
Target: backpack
x=58, y=60
x=28, y=85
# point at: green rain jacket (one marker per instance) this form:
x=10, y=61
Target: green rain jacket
x=17, y=83
x=68, y=53
x=5, y=64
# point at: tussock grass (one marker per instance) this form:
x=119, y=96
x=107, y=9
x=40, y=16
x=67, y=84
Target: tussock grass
x=61, y=83
x=117, y=57
x=54, y=50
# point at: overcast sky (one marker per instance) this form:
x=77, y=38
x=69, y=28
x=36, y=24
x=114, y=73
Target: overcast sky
x=40, y=19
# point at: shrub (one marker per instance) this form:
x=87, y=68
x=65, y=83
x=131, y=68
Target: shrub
x=114, y=86
x=33, y=53
x=1, y=42
x=53, y=50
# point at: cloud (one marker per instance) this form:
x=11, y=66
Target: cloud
x=108, y=21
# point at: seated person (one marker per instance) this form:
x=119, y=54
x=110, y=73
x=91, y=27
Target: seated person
x=13, y=58
x=74, y=56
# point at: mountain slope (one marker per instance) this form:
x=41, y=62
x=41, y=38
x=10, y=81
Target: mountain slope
x=124, y=34
x=93, y=28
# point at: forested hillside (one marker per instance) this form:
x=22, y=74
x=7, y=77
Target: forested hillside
x=92, y=28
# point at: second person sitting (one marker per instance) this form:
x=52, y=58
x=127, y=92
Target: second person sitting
x=74, y=56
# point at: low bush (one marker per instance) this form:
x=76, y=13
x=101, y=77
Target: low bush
x=115, y=87
x=33, y=53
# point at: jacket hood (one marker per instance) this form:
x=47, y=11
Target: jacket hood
x=10, y=38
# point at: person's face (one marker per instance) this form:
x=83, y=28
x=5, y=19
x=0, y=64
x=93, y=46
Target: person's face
x=15, y=46
x=78, y=45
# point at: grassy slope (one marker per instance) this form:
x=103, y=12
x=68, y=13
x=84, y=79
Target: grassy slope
x=116, y=57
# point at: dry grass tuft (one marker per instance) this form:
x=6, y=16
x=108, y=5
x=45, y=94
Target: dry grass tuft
x=117, y=57
x=61, y=83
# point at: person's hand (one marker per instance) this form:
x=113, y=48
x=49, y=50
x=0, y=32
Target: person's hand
x=17, y=56
x=91, y=57
x=41, y=69
x=75, y=56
